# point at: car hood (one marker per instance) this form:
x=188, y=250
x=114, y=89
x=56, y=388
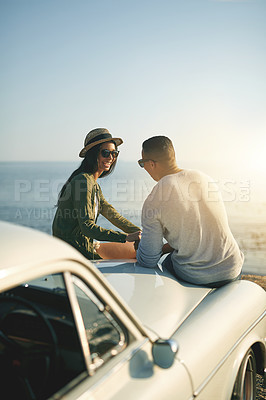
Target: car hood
x=157, y=298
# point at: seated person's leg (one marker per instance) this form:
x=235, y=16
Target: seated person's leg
x=168, y=265
x=108, y=250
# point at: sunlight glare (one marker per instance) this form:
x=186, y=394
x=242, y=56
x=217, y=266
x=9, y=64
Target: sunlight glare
x=258, y=157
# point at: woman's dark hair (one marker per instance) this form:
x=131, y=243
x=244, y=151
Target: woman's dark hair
x=89, y=165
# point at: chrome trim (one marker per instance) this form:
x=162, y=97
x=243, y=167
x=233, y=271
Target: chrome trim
x=215, y=370
x=78, y=320
x=88, y=292
x=182, y=362
x=106, y=311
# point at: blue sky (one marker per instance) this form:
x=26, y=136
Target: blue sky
x=193, y=70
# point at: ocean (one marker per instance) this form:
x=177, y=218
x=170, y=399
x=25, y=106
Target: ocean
x=29, y=192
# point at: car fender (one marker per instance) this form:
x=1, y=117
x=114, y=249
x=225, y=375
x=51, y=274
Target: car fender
x=229, y=318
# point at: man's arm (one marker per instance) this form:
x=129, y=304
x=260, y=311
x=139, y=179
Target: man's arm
x=151, y=243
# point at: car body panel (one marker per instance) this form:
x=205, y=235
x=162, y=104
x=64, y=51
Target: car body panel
x=222, y=378
x=24, y=246
x=221, y=315
x=140, y=287
x=136, y=378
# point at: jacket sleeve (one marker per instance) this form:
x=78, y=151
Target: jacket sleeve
x=83, y=201
x=110, y=213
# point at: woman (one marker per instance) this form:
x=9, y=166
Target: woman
x=81, y=201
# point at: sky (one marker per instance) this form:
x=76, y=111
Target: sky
x=193, y=70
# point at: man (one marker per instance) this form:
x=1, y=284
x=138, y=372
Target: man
x=185, y=208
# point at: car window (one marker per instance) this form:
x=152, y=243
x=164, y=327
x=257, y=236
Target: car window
x=40, y=350
x=106, y=336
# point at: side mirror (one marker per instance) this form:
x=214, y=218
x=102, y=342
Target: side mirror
x=163, y=352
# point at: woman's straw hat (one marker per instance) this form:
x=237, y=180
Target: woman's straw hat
x=97, y=136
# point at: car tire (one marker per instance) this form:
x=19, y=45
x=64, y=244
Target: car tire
x=245, y=384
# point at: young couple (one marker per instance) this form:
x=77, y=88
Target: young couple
x=184, y=209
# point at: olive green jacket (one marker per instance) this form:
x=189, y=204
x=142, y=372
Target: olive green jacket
x=75, y=219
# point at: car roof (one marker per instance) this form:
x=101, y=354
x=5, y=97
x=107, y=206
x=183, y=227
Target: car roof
x=23, y=246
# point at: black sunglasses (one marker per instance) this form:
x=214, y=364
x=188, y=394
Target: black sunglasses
x=106, y=153
x=143, y=160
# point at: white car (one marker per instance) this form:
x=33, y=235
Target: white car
x=72, y=329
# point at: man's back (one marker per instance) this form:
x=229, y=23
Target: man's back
x=187, y=210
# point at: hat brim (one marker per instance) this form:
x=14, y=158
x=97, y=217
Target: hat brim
x=117, y=141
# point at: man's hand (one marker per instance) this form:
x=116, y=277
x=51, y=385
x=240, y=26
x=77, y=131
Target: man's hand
x=167, y=248
x=136, y=244
x=132, y=237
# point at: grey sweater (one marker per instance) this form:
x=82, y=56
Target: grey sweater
x=187, y=210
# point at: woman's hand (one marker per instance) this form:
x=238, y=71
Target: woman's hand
x=132, y=237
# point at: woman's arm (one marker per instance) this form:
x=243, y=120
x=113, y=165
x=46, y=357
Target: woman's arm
x=83, y=192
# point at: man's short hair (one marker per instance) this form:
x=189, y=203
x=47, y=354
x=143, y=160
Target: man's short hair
x=159, y=148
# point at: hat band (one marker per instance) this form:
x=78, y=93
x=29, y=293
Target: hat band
x=99, y=137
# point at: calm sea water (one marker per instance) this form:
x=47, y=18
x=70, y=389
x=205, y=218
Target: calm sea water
x=29, y=192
